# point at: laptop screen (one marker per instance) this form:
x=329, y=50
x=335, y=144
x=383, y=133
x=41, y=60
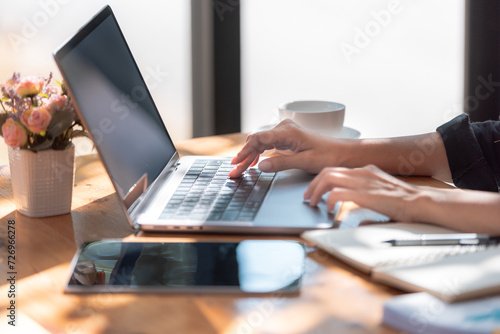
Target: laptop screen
x=114, y=102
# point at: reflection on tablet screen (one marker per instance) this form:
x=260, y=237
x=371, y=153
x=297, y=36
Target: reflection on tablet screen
x=253, y=266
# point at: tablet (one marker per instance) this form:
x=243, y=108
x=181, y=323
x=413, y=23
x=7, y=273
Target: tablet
x=250, y=266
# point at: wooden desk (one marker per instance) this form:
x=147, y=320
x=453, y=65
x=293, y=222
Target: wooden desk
x=334, y=297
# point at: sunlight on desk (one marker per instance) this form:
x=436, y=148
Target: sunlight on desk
x=333, y=296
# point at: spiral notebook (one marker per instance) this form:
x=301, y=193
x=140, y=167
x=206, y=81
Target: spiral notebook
x=449, y=272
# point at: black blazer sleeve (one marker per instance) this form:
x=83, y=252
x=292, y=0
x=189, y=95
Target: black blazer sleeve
x=473, y=151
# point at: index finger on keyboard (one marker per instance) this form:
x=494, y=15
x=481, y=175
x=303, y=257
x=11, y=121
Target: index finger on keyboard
x=241, y=167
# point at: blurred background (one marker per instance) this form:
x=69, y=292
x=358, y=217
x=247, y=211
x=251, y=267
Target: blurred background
x=397, y=65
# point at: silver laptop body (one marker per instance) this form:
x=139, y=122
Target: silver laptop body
x=115, y=106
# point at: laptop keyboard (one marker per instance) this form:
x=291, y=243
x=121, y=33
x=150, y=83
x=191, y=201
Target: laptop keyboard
x=206, y=193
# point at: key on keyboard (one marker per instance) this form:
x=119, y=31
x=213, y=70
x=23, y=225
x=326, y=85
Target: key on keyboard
x=206, y=192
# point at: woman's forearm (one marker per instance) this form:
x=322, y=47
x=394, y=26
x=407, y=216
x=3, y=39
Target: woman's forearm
x=411, y=155
x=463, y=210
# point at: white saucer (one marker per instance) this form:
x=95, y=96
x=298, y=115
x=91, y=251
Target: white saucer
x=346, y=132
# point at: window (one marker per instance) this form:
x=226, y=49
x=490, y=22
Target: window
x=396, y=65
x=158, y=33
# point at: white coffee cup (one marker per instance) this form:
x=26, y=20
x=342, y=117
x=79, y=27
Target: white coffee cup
x=324, y=117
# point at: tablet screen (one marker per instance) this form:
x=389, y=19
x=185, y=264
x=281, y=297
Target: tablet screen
x=250, y=266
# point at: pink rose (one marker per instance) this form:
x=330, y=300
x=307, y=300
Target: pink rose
x=14, y=133
x=8, y=84
x=56, y=102
x=30, y=86
x=53, y=90
x=38, y=119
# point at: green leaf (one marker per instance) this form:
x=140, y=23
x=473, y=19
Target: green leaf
x=61, y=121
x=3, y=119
x=79, y=133
x=46, y=144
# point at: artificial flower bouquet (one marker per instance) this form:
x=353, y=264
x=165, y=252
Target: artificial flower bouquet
x=36, y=115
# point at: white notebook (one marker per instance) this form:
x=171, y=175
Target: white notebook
x=471, y=270
x=422, y=313
x=364, y=247
x=452, y=278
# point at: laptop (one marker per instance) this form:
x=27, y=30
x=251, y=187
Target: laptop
x=158, y=190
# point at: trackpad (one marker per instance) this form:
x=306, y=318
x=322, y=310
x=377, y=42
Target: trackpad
x=285, y=202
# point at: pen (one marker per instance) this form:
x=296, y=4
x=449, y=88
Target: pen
x=471, y=239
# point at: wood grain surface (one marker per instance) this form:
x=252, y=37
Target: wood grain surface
x=334, y=298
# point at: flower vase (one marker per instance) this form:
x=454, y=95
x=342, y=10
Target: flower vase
x=42, y=182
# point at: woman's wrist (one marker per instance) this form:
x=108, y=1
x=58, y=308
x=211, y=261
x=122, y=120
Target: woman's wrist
x=353, y=153
x=340, y=152
x=426, y=207
x=463, y=210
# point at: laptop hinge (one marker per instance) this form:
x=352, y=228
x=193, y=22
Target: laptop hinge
x=151, y=191
x=136, y=191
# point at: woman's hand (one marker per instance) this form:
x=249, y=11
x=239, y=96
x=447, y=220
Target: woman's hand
x=372, y=188
x=368, y=187
x=311, y=152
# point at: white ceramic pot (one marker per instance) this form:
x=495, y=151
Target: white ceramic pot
x=42, y=182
